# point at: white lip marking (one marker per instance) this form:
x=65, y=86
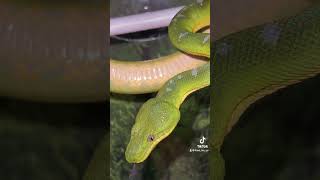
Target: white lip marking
x=206, y=39
x=181, y=35
x=194, y=72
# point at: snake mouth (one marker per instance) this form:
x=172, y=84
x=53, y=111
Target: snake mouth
x=137, y=156
x=136, y=153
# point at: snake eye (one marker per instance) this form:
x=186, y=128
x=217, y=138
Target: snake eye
x=150, y=138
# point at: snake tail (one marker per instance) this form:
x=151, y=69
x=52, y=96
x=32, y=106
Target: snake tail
x=253, y=63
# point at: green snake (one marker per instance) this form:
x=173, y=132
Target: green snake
x=246, y=66
x=158, y=117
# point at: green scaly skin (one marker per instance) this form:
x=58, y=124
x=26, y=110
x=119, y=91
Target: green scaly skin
x=158, y=117
x=251, y=64
x=184, y=25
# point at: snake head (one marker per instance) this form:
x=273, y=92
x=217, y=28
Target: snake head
x=155, y=121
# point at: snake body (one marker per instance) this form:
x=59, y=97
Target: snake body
x=158, y=117
x=137, y=77
x=251, y=64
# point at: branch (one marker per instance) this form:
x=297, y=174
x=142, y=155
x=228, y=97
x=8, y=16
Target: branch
x=142, y=22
